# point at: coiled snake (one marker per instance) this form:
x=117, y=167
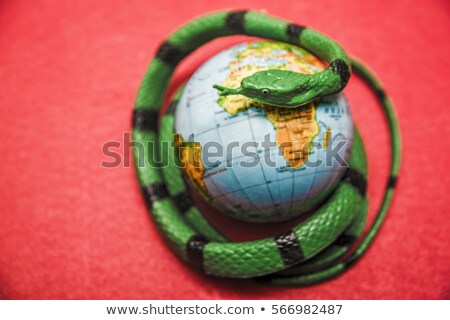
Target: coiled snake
x=319, y=247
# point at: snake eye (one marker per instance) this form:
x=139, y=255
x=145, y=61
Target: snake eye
x=265, y=92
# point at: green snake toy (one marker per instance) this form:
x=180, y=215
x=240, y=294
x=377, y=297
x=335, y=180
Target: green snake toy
x=320, y=247
x=289, y=89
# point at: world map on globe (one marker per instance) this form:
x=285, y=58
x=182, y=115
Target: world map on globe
x=257, y=162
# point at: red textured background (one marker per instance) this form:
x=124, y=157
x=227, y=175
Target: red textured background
x=69, y=73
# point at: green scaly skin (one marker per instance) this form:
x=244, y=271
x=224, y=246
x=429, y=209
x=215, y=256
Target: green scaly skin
x=314, y=250
x=289, y=89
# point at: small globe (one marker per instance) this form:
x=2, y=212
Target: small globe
x=257, y=162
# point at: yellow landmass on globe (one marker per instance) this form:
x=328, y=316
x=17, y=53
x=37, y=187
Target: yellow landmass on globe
x=326, y=138
x=190, y=156
x=296, y=128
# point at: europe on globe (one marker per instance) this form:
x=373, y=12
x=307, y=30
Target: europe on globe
x=257, y=162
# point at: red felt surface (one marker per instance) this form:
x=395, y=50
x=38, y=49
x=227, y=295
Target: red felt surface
x=69, y=74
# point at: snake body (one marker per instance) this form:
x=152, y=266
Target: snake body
x=316, y=249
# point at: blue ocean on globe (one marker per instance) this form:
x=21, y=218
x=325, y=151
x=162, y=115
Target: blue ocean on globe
x=258, y=162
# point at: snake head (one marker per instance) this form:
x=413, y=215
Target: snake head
x=276, y=87
x=224, y=91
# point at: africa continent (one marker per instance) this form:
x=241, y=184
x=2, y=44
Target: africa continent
x=295, y=128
